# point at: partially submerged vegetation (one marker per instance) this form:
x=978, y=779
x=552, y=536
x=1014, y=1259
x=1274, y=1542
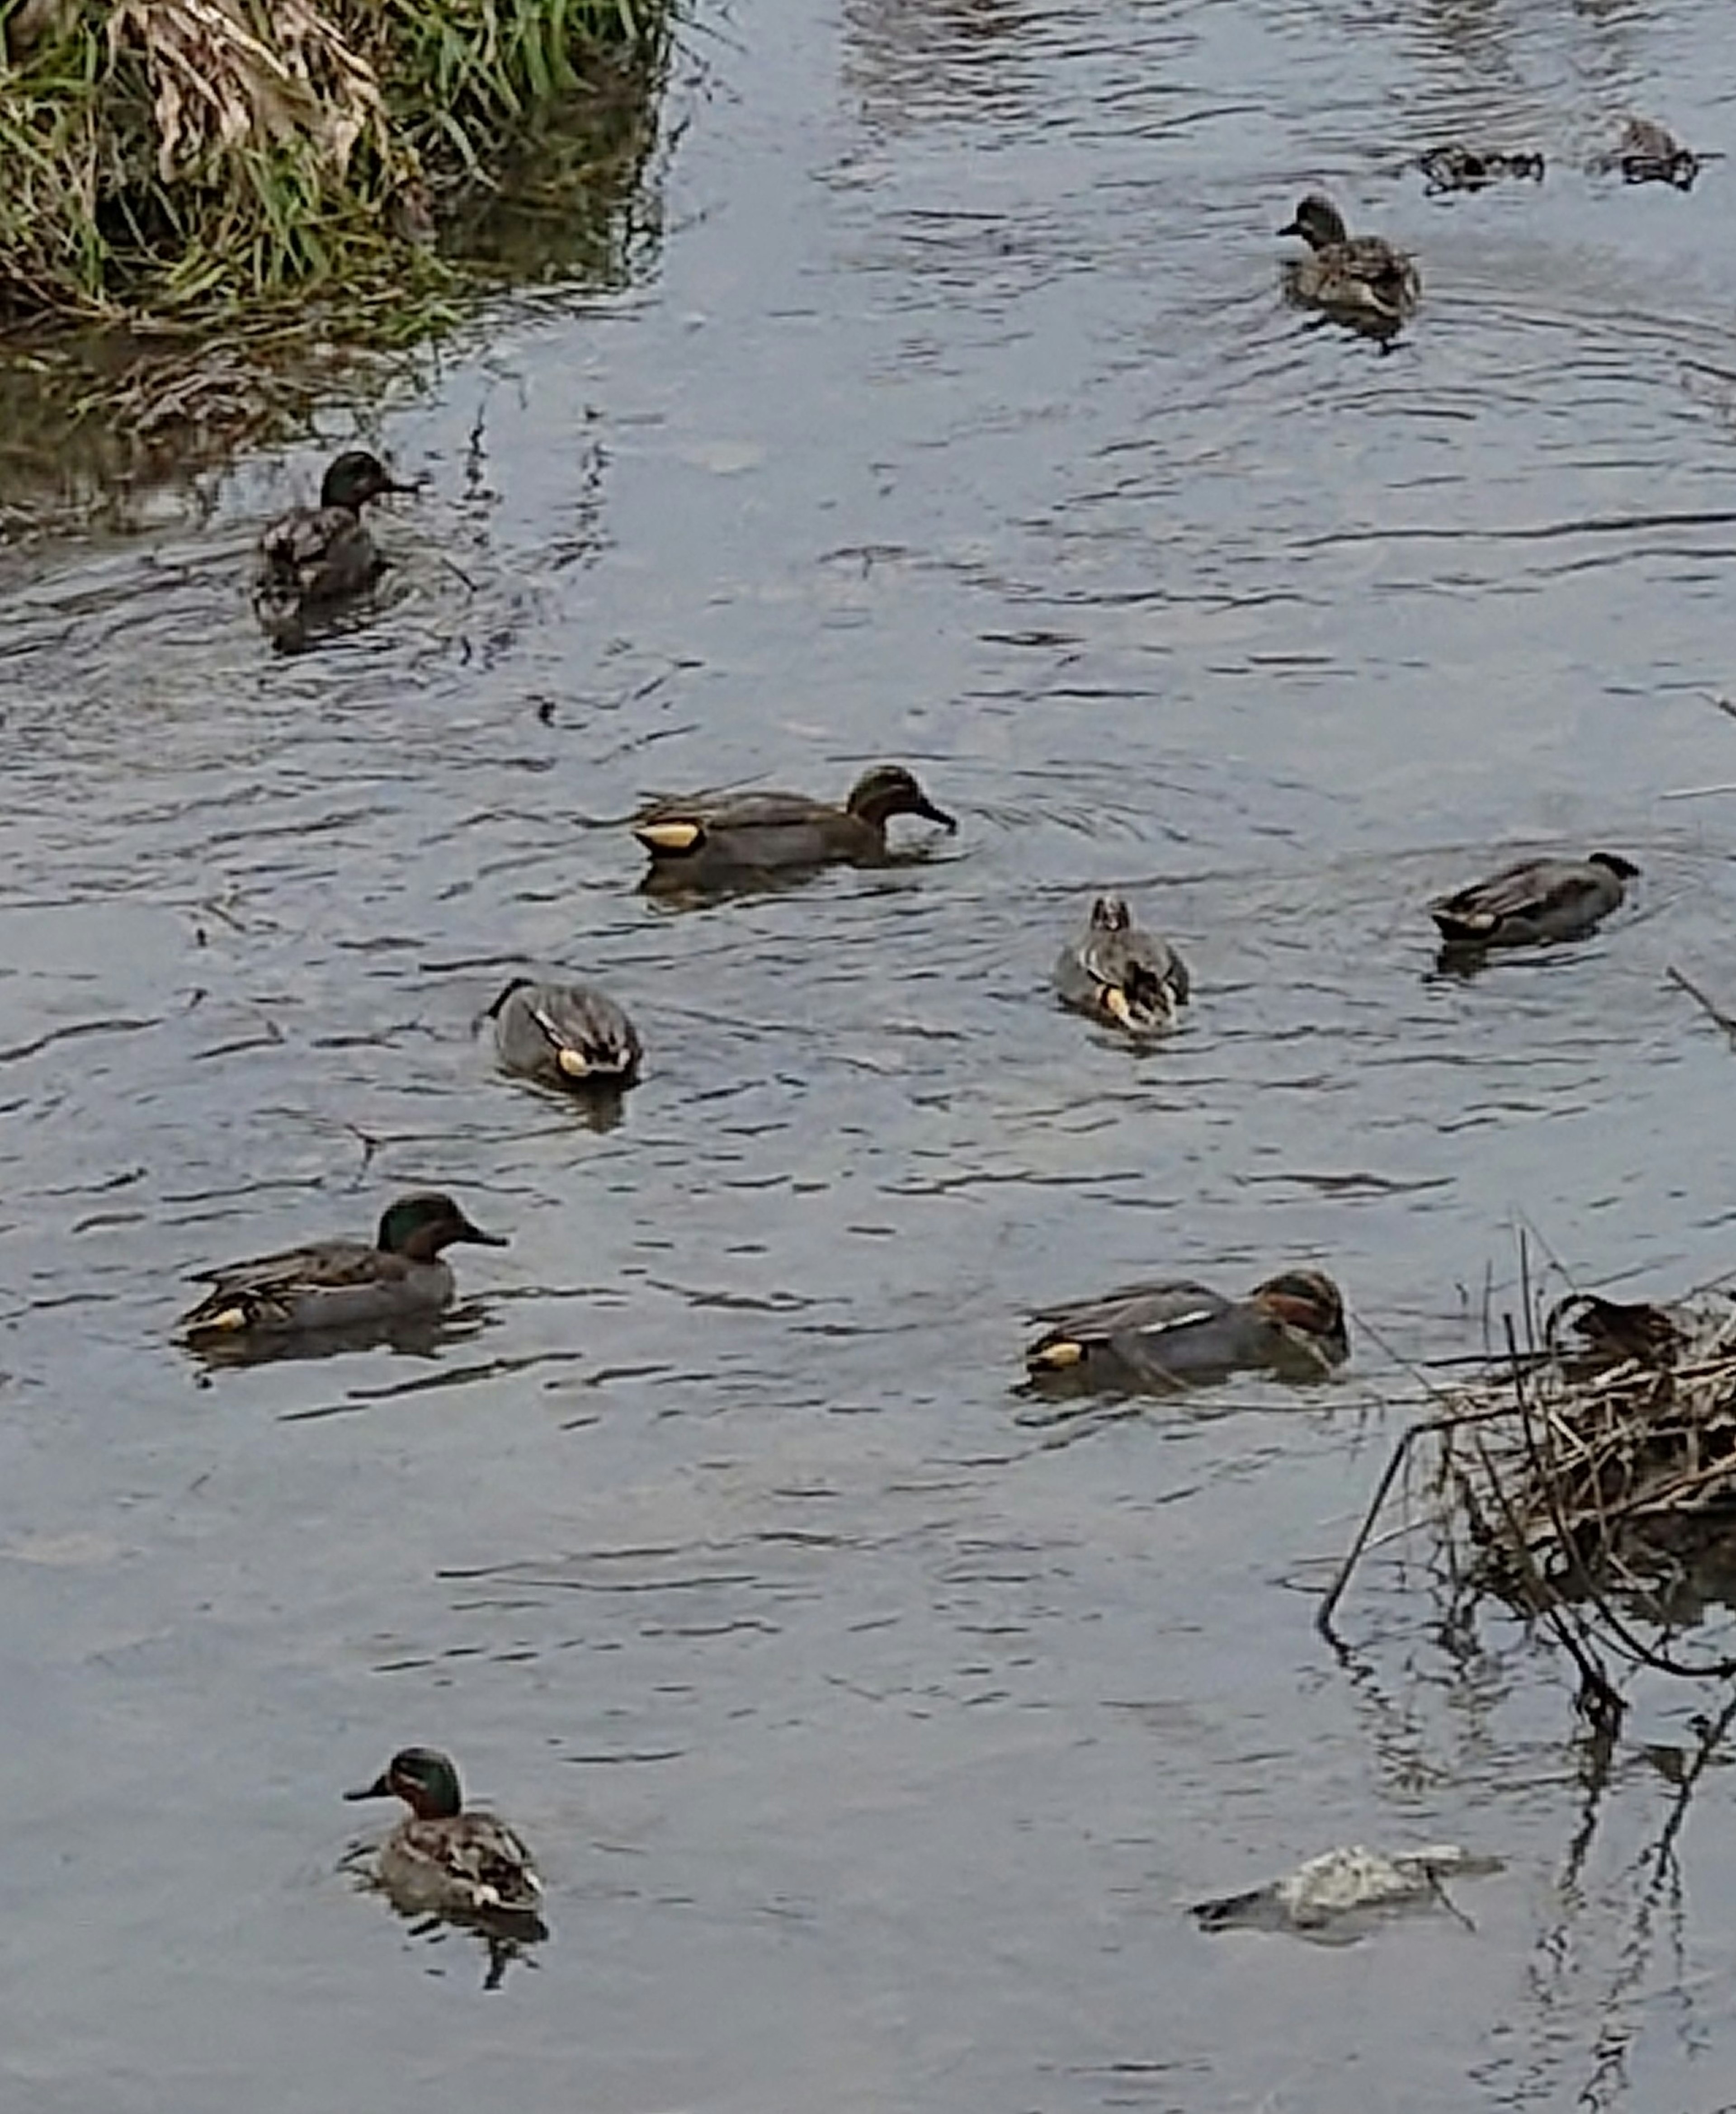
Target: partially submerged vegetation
x=220, y=188
x=1588, y=1479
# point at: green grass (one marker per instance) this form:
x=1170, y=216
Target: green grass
x=190, y=163
x=212, y=210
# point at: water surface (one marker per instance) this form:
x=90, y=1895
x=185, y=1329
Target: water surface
x=872, y=1734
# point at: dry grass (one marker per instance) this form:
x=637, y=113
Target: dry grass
x=1587, y=1479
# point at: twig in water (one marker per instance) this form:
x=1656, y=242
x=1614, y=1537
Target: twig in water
x=1726, y=1021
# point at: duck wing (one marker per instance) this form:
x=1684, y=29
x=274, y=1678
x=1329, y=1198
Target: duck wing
x=1145, y=970
x=1158, y=1308
x=685, y=825
x=1534, y=899
x=263, y=1289
x=296, y=544
x=589, y=1035
x=484, y=1856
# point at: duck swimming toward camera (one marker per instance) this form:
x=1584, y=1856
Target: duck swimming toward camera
x=447, y=1860
x=1117, y=973
x=1360, y=280
x=1176, y=1334
x=314, y=556
x=338, y=1284
x=736, y=840
x=1534, y=901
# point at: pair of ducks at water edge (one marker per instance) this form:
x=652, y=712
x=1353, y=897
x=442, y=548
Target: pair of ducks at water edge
x=1150, y=1336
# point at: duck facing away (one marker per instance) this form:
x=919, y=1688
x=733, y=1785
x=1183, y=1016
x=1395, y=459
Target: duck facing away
x=313, y=556
x=1174, y=1334
x=735, y=840
x=1534, y=901
x=1361, y=280
x=565, y=1034
x=1116, y=973
x=339, y=1284
x=447, y=1859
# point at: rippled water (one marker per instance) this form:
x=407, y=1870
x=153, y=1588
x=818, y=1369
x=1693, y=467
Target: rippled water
x=872, y=1731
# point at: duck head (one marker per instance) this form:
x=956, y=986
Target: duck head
x=419, y=1227
x=518, y=984
x=890, y=789
x=1109, y=913
x=355, y=477
x=1318, y=222
x=423, y=1777
x=1308, y=1302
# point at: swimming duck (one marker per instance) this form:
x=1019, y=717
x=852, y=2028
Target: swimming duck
x=1363, y=280
x=736, y=839
x=339, y=1284
x=1115, y=971
x=1168, y=1334
x=318, y=554
x=564, y=1034
x=1534, y=900
x=1648, y=152
x=1454, y=167
x=447, y=1860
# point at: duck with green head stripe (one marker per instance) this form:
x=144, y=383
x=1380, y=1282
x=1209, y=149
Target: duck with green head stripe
x=339, y=1284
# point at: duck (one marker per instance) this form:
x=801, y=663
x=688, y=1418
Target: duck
x=339, y=1283
x=738, y=840
x=449, y=1860
x=565, y=1034
x=1648, y=153
x=1534, y=901
x=1116, y=973
x=1171, y=1334
x=1361, y=280
x=1455, y=167
x=314, y=556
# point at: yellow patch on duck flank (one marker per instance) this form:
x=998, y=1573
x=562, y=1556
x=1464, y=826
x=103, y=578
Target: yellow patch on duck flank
x=570, y=1062
x=1057, y=1355
x=669, y=836
x=231, y=1317
x=1115, y=1001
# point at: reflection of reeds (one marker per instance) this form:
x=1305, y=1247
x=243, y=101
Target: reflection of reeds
x=179, y=159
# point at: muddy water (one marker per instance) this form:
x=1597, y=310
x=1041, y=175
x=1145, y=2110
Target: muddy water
x=872, y=1733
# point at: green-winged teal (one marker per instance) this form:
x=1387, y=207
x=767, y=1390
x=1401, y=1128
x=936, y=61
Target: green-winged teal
x=1173, y=1333
x=1361, y=280
x=314, y=556
x=565, y=1034
x=1455, y=167
x=447, y=1859
x=1534, y=900
x=1117, y=973
x=339, y=1284
x=737, y=840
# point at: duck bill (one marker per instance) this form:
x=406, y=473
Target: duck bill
x=467, y=1232
x=929, y=812
x=379, y=1788
x=1291, y=227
